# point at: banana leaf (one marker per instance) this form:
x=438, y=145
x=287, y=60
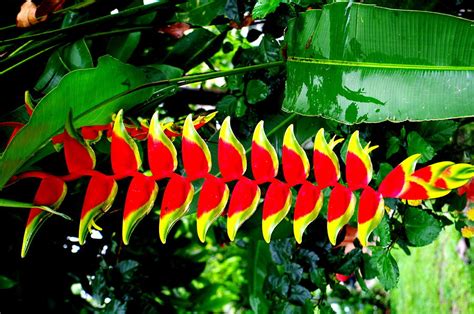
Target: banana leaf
x=360, y=63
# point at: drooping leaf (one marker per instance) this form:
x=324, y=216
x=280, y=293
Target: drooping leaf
x=51, y=192
x=140, y=198
x=162, y=155
x=263, y=155
x=294, y=160
x=421, y=228
x=211, y=204
x=417, y=144
x=243, y=203
x=231, y=153
x=178, y=196
x=353, y=63
x=196, y=155
x=308, y=205
x=91, y=106
x=371, y=211
x=124, y=152
x=340, y=210
x=276, y=206
x=100, y=195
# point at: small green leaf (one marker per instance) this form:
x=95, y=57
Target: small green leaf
x=299, y=294
x=421, y=228
x=369, y=266
x=318, y=277
x=200, y=12
x=240, y=108
x=294, y=271
x=264, y=7
x=6, y=283
x=418, y=145
x=256, y=91
x=384, y=169
x=438, y=133
x=383, y=232
x=388, y=271
x=394, y=144
x=279, y=284
x=281, y=251
x=235, y=82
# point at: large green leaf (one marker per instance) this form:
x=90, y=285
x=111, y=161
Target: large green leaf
x=421, y=228
x=93, y=95
x=360, y=63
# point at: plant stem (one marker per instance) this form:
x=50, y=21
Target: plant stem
x=29, y=58
x=91, y=23
x=119, y=31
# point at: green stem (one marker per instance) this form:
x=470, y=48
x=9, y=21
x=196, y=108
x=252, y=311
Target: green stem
x=119, y=31
x=91, y=23
x=29, y=58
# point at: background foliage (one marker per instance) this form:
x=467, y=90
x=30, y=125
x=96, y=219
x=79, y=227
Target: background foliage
x=184, y=275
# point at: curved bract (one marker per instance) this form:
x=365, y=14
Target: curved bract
x=403, y=182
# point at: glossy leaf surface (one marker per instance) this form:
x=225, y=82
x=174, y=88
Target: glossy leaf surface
x=360, y=63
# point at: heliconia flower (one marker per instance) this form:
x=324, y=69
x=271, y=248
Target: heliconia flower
x=276, y=206
x=161, y=151
x=326, y=165
x=124, y=151
x=231, y=154
x=420, y=190
x=294, y=159
x=212, y=200
x=359, y=168
x=176, y=129
x=308, y=205
x=196, y=155
x=51, y=193
x=371, y=211
x=178, y=196
x=264, y=156
x=397, y=181
x=78, y=154
x=100, y=195
x=243, y=203
x=140, y=198
x=340, y=210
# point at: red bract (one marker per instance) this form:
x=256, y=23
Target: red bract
x=340, y=210
x=211, y=204
x=276, y=206
x=123, y=150
x=371, y=210
x=326, y=165
x=396, y=182
x=243, y=203
x=178, y=196
x=308, y=205
x=231, y=153
x=358, y=164
x=294, y=159
x=264, y=157
x=79, y=155
x=141, y=196
x=161, y=151
x=196, y=155
x=50, y=193
x=99, y=197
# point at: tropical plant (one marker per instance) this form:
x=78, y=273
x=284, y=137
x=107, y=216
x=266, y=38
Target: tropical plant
x=94, y=79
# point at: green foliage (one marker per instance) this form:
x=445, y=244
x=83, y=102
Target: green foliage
x=247, y=275
x=421, y=228
x=361, y=51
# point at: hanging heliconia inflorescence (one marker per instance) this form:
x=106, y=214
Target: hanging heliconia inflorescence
x=403, y=182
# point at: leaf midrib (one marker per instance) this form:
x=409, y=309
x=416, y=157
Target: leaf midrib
x=380, y=65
